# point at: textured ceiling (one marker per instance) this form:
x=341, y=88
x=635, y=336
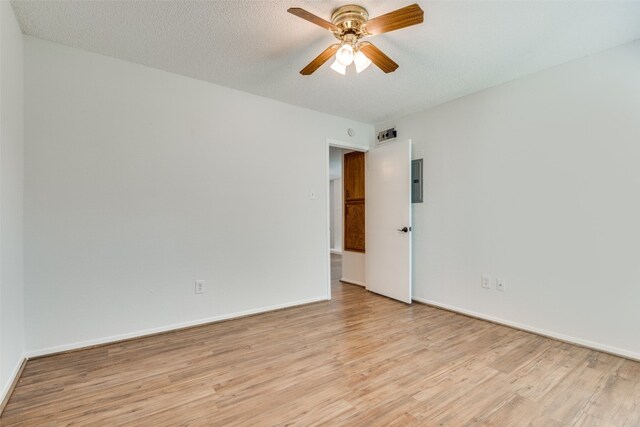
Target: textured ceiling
x=257, y=47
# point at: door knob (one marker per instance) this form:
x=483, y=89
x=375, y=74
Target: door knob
x=404, y=229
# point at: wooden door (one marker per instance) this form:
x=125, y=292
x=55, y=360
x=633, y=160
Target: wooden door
x=354, y=201
x=354, y=176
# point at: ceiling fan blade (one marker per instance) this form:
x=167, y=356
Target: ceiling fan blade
x=301, y=13
x=376, y=56
x=401, y=18
x=320, y=59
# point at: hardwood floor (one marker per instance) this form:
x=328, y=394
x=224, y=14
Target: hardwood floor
x=359, y=359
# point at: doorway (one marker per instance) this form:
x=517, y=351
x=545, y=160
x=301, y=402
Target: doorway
x=343, y=263
x=386, y=267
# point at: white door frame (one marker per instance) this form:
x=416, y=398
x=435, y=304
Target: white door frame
x=337, y=144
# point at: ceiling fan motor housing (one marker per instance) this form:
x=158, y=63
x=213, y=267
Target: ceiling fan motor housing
x=350, y=20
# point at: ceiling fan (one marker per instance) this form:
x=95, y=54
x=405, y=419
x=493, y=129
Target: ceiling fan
x=349, y=24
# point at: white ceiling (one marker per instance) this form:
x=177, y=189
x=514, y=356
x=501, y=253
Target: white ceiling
x=257, y=47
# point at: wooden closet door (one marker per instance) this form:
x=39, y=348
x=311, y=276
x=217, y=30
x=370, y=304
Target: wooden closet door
x=354, y=226
x=354, y=176
x=354, y=202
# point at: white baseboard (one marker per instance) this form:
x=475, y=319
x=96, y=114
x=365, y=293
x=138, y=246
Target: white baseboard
x=548, y=334
x=139, y=334
x=336, y=251
x=12, y=381
x=353, y=282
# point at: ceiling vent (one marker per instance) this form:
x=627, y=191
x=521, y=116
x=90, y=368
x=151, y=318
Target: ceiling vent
x=386, y=135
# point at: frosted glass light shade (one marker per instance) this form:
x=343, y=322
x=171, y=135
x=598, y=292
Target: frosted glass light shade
x=338, y=67
x=345, y=55
x=361, y=61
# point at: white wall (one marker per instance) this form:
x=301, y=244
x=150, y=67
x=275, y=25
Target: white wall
x=332, y=219
x=335, y=162
x=354, y=267
x=138, y=182
x=335, y=195
x=12, y=345
x=337, y=229
x=536, y=182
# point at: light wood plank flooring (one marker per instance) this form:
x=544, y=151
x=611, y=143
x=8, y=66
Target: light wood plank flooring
x=359, y=359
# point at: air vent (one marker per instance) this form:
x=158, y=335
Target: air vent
x=386, y=135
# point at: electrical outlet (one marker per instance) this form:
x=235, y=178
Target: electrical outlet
x=500, y=285
x=200, y=286
x=486, y=282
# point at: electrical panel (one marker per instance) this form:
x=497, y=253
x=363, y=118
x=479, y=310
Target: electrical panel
x=416, y=181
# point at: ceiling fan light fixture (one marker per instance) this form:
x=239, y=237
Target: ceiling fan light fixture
x=345, y=55
x=349, y=24
x=338, y=67
x=361, y=61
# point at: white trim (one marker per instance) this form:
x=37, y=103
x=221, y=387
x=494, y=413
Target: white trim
x=555, y=335
x=336, y=251
x=167, y=328
x=353, y=282
x=348, y=145
x=12, y=380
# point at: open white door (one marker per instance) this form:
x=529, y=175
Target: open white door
x=388, y=220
